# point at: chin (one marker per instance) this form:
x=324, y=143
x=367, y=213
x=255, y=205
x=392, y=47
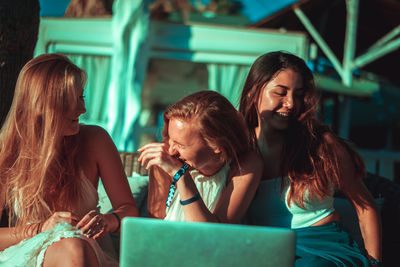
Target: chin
x=281, y=126
x=71, y=131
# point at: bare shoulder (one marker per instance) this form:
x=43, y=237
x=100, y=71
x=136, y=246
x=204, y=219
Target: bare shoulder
x=98, y=153
x=338, y=147
x=330, y=138
x=250, y=162
x=92, y=132
x=94, y=138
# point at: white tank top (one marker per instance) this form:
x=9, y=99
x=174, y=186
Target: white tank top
x=269, y=208
x=209, y=187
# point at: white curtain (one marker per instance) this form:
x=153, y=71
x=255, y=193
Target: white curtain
x=98, y=69
x=113, y=88
x=227, y=79
x=130, y=30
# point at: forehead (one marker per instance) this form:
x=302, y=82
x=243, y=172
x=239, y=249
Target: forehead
x=183, y=131
x=287, y=78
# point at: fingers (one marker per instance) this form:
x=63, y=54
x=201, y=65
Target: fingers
x=156, y=154
x=150, y=151
x=154, y=151
x=92, y=224
x=66, y=216
x=152, y=158
x=60, y=217
x=158, y=146
x=86, y=218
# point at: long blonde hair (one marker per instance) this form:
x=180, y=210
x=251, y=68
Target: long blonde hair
x=38, y=171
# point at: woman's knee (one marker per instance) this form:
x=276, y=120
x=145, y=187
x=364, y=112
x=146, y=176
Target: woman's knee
x=70, y=252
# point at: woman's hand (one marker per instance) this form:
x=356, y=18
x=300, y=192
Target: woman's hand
x=94, y=224
x=156, y=154
x=59, y=217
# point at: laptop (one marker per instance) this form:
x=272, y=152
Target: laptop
x=151, y=242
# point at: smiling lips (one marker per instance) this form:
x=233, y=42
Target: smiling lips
x=283, y=114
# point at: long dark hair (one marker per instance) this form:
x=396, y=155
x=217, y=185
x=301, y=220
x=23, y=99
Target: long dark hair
x=308, y=159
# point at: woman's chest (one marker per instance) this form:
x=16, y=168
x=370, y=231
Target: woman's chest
x=272, y=166
x=272, y=157
x=89, y=166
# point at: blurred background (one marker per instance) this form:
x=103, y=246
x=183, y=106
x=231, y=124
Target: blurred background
x=141, y=56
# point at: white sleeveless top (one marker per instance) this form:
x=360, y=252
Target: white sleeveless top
x=270, y=208
x=209, y=187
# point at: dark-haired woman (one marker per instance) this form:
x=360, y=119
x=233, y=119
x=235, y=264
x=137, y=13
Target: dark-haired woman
x=304, y=164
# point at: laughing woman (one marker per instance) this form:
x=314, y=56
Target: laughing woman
x=204, y=170
x=304, y=164
x=50, y=167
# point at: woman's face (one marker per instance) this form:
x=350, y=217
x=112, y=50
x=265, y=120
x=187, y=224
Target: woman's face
x=186, y=143
x=280, y=100
x=71, y=117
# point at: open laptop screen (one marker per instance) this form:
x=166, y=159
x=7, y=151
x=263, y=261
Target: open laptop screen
x=151, y=242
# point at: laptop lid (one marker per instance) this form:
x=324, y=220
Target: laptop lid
x=151, y=242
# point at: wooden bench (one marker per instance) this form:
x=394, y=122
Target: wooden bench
x=131, y=164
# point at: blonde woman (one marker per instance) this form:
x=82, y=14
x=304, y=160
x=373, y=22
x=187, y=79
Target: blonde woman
x=50, y=167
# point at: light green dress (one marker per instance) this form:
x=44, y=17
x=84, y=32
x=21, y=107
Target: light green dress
x=30, y=252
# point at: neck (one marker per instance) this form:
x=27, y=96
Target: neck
x=212, y=168
x=271, y=148
x=269, y=137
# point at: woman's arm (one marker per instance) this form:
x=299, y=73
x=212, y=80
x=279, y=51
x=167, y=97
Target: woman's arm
x=9, y=236
x=368, y=216
x=363, y=202
x=234, y=199
x=113, y=177
x=159, y=183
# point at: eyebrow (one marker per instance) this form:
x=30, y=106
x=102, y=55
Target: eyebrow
x=176, y=142
x=282, y=86
x=287, y=88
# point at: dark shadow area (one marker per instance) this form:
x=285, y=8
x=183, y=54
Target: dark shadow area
x=389, y=191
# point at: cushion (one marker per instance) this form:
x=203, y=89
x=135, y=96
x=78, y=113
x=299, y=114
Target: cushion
x=138, y=184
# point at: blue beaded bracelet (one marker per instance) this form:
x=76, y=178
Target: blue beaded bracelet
x=175, y=179
x=190, y=200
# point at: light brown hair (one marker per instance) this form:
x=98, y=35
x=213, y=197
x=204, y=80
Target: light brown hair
x=219, y=123
x=38, y=167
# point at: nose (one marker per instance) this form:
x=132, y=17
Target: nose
x=81, y=109
x=288, y=102
x=172, y=150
